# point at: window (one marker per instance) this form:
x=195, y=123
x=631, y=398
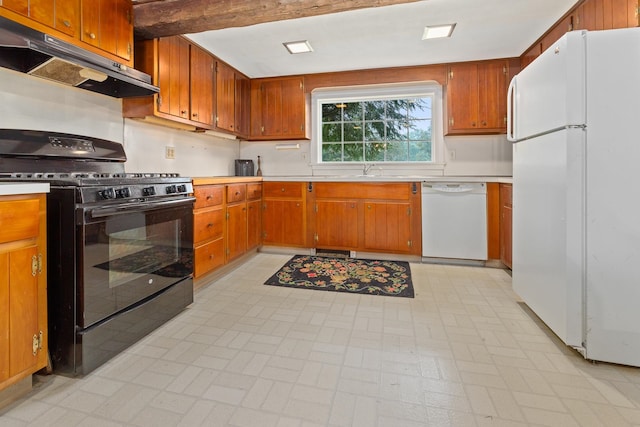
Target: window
x=387, y=124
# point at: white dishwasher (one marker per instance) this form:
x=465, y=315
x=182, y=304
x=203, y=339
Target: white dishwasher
x=454, y=220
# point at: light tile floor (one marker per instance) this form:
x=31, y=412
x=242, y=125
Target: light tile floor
x=464, y=352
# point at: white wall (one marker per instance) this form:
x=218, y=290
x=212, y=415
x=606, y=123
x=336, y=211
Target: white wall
x=474, y=155
x=31, y=103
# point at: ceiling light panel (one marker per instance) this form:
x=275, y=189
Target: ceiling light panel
x=302, y=46
x=438, y=31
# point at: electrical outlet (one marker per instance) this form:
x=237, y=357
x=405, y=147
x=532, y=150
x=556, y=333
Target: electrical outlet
x=169, y=152
x=452, y=154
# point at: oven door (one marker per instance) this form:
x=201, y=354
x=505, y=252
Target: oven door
x=129, y=253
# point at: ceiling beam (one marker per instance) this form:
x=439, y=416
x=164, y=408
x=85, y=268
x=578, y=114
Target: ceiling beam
x=172, y=17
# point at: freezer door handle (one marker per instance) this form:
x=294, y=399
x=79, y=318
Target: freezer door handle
x=512, y=104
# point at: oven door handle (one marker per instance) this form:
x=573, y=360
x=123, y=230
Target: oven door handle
x=138, y=207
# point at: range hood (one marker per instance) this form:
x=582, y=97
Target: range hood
x=32, y=52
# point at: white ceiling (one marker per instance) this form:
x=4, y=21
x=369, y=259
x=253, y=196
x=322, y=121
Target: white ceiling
x=386, y=36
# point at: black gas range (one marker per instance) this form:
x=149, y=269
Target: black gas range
x=120, y=260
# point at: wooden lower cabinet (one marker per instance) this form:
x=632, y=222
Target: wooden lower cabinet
x=284, y=214
x=369, y=217
x=23, y=298
x=388, y=226
x=226, y=222
x=506, y=233
x=336, y=224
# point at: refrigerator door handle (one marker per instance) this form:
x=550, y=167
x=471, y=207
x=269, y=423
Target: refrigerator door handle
x=511, y=109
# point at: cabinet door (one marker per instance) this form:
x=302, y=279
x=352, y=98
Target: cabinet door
x=66, y=17
x=492, y=99
x=254, y=224
x=225, y=97
x=293, y=108
x=284, y=223
x=208, y=225
x=387, y=226
x=336, y=224
x=173, y=76
x=271, y=108
x=236, y=230
x=18, y=6
x=202, y=68
x=122, y=28
x=462, y=97
x=23, y=310
x=242, y=105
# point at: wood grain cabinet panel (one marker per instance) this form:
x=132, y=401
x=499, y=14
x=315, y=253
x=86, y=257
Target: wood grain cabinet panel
x=278, y=109
x=284, y=214
x=476, y=97
x=23, y=287
x=370, y=217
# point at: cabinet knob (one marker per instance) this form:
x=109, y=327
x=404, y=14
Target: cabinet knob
x=282, y=189
x=473, y=124
x=211, y=256
x=66, y=23
x=209, y=197
x=484, y=123
x=237, y=193
x=92, y=36
x=210, y=225
x=194, y=115
x=183, y=112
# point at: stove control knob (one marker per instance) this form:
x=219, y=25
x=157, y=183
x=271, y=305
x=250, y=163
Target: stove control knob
x=107, y=193
x=123, y=193
x=182, y=188
x=171, y=189
x=149, y=191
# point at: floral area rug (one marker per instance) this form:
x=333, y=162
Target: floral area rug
x=356, y=276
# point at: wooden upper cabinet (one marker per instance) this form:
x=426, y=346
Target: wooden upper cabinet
x=108, y=25
x=278, y=109
x=225, y=97
x=202, y=67
x=476, y=97
x=173, y=76
x=59, y=14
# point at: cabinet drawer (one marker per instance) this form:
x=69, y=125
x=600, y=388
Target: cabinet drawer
x=282, y=189
x=19, y=219
x=236, y=193
x=208, y=195
x=208, y=257
x=208, y=225
x=254, y=191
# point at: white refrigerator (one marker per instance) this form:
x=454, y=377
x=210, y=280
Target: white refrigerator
x=574, y=120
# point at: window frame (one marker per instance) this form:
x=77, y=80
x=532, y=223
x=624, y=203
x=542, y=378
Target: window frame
x=379, y=92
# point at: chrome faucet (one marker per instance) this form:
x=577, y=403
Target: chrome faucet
x=366, y=168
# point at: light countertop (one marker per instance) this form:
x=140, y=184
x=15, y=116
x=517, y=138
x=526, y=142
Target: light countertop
x=15, y=188
x=390, y=178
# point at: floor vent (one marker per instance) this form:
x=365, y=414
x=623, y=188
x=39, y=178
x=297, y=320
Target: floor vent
x=333, y=253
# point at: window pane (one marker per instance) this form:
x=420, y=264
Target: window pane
x=420, y=151
x=397, y=130
x=332, y=132
x=397, y=109
x=420, y=129
x=353, y=152
x=397, y=151
x=332, y=152
x=331, y=113
x=374, y=131
x=353, y=111
x=374, y=110
x=420, y=108
x=353, y=132
x=374, y=151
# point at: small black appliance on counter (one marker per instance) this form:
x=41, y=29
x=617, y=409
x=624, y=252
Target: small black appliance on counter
x=244, y=167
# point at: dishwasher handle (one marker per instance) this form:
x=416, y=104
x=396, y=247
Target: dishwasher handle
x=453, y=187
